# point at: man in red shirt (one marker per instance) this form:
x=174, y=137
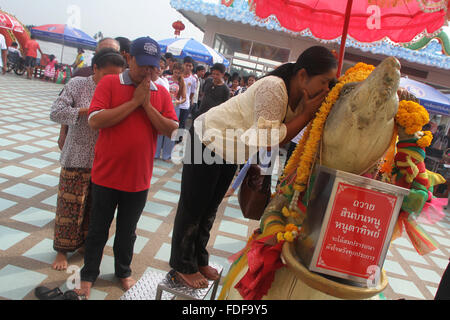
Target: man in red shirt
x=129, y=110
x=31, y=49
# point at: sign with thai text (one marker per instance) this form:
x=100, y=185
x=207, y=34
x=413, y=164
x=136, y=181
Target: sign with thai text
x=356, y=230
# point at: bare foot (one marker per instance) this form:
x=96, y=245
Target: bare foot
x=193, y=280
x=60, y=262
x=85, y=289
x=127, y=283
x=209, y=272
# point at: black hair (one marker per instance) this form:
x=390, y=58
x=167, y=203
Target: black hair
x=219, y=67
x=188, y=59
x=51, y=57
x=235, y=76
x=124, y=43
x=169, y=55
x=164, y=59
x=107, y=57
x=14, y=44
x=199, y=68
x=315, y=60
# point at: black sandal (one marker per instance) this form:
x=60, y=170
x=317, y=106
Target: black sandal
x=72, y=295
x=44, y=293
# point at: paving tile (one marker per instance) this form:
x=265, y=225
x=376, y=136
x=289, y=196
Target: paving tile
x=46, y=143
x=38, y=133
x=51, y=201
x=8, y=155
x=28, y=149
x=234, y=213
x=37, y=163
x=107, y=268
x=42, y=252
x=34, y=216
x=427, y=274
x=148, y=224
x=405, y=287
x=23, y=190
x=21, y=137
x=432, y=290
x=14, y=171
x=234, y=228
x=6, y=142
x=47, y=180
x=53, y=155
x=228, y=244
x=140, y=243
x=173, y=186
x=15, y=127
x=442, y=241
x=441, y=263
x=5, y=204
x=157, y=208
x=167, y=196
x=412, y=256
x=158, y=171
x=394, y=267
x=164, y=252
x=9, y=237
x=17, y=282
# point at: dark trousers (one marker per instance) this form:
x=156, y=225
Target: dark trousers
x=184, y=113
x=443, y=292
x=203, y=187
x=129, y=208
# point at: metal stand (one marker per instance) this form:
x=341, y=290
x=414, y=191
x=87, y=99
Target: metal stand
x=179, y=290
x=157, y=286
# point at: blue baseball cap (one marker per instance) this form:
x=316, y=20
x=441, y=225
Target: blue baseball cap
x=146, y=51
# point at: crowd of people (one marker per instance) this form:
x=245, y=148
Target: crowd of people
x=131, y=90
x=121, y=112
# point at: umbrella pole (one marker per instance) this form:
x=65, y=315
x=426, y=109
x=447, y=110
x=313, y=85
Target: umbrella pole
x=348, y=11
x=62, y=52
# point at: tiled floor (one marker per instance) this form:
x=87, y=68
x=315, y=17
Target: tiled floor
x=29, y=175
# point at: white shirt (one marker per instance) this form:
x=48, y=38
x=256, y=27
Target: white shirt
x=191, y=87
x=163, y=82
x=264, y=101
x=2, y=47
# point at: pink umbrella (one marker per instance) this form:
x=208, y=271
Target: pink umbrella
x=364, y=20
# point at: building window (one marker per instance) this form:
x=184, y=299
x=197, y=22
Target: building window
x=250, y=57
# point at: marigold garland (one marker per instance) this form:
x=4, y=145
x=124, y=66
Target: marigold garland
x=291, y=231
x=411, y=116
x=304, y=154
x=425, y=141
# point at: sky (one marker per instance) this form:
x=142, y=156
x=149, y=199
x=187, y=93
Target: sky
x=127, y=18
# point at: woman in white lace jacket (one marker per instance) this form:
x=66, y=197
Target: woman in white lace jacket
x=270, y=113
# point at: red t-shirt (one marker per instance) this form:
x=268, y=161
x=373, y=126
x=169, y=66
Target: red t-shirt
x=32, y=47
x=124, y=153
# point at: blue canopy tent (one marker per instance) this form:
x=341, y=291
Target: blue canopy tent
x=432, y=99
x=183, y=47
x=65, y=35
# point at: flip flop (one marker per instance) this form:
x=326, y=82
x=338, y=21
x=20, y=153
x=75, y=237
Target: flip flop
x=44, y=293
x=72, y=295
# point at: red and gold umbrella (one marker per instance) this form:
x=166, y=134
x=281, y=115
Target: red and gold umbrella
x=364, y=20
